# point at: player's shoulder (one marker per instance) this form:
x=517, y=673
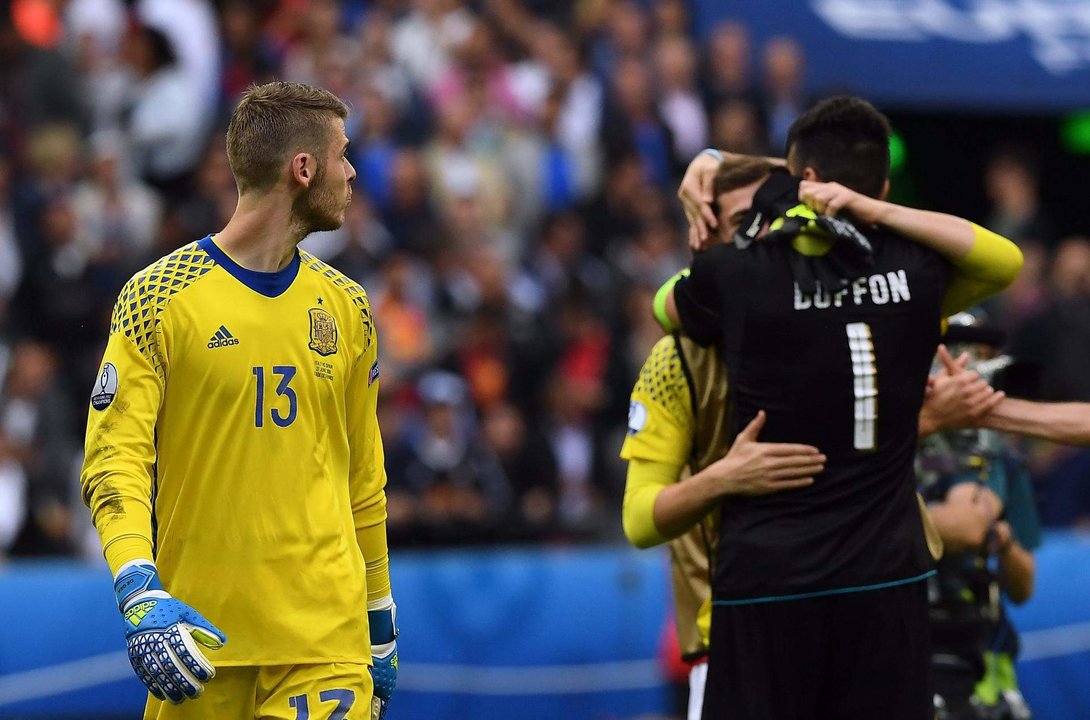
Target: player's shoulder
x=662, y=369
x=149, y=291
x=347, y=291
x=662, y=385
x=663, y=350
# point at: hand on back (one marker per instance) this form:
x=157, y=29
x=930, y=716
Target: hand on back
x=751, y=467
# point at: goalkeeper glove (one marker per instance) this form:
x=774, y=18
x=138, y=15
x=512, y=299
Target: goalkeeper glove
x=382, y=624
x=162, y=634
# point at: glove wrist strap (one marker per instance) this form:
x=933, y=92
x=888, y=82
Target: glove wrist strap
x=382, y=620
x=134, y=579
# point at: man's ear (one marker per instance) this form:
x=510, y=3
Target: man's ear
x=809, y=173
x=885, y=190
x=303, y=168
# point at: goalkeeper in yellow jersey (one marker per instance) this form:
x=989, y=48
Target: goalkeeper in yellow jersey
x=234, y=467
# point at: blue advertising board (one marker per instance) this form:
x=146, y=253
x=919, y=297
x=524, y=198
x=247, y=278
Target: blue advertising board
x=1025, y=55
x=527, y=634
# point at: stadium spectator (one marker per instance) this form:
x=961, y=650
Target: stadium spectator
x=247, y=56
x=195, y=38
x=726, y=72
x=322, y=43
x=679, y=102
x=166, y=123
x=736, y=126
x=38, y=436
x=117, y=216
x=423, y=40
x=11, y=258
x=559, y=65
x=1012, y=184
x=459, y=489
x=402, y=320
x=12, y=496
x=634, y=121
x=95, y=32
x=783, y=88
x=528, y=461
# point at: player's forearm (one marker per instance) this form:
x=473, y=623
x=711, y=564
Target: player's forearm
x=1060, y=422
x=777, y=161
x=682, y=505
x=927, y=424
x=950, y=236
x=659, y=508
x=984, y=263
x=645, y=480
x=372, y=542
x=1018, y=571
x=121, y=513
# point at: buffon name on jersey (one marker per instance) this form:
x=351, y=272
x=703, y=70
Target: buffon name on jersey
x=880, y=289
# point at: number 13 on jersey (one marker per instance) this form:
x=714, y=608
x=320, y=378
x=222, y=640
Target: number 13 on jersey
x=283, y=389
x=865, y=375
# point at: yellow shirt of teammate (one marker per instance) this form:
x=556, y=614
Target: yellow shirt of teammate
x=246, y=462
x=661, y=428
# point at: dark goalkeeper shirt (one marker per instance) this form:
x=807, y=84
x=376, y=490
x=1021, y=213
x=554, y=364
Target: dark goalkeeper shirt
x=843, y=371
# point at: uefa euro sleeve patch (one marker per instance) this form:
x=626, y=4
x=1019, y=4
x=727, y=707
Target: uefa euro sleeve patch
x=373, y=375
x=637, y=416
x=105, y=388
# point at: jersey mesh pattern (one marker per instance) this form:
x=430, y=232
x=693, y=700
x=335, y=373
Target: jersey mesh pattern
x=144, y=297
x=662, y=381
x=352, y=288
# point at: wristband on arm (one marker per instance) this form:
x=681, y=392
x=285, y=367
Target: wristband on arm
x=713, y=152
x=659, y=305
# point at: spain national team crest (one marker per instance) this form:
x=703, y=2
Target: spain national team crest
x=323, y=332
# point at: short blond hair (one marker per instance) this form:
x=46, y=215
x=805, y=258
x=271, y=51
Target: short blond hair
x=274, y=121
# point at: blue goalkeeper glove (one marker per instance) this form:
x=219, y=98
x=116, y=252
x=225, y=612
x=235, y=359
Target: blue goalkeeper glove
x=162, y=634
x=382, y=623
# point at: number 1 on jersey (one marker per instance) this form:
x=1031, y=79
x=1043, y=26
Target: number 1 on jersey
x=864, y=373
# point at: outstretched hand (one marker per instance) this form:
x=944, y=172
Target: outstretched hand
x=752, y=467
x=956, y=397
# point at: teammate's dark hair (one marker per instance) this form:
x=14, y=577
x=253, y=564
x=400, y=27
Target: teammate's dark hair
x=846, y=140
x=274, y=121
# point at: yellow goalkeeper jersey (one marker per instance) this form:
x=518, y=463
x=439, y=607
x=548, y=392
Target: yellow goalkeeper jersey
x=232, y=433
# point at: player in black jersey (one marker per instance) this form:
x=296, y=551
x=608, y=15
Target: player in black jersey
x=818, y=609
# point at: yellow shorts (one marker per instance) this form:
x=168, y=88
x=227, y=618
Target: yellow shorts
x=332, y=691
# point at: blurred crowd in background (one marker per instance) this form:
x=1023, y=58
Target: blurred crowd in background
x=517, y=165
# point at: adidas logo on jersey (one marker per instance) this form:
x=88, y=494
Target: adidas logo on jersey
x=222, y=338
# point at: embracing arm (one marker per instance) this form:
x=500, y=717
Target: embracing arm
x=659, y=507
x=984, y=263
